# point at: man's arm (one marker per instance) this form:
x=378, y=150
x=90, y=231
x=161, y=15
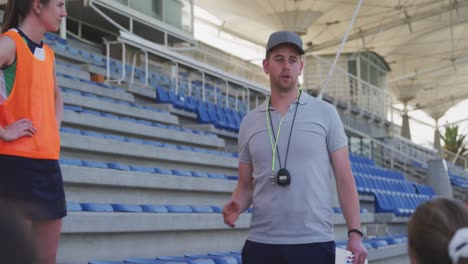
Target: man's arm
x=349, y=201
x=242, y=195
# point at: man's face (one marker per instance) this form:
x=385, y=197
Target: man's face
x=284, y=66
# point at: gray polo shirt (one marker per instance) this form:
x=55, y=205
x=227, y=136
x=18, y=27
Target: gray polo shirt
x=301, y=212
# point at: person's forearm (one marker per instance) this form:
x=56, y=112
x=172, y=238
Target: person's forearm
x=349, y=201
x=243, y=195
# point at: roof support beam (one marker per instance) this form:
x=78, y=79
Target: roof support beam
x=391, y=25
x=416, y=74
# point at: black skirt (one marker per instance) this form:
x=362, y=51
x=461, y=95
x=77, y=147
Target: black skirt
x=36, y=185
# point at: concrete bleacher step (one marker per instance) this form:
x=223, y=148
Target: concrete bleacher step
x=71, y=69
x=171, y=109
x=101, y=237
x=212, y=129
x=73, y=145
x=391, y=254
x=376, y=229
x=141, y=130
x=93, y=88
x=147, y=92
x=119, y=109
x=83, y=184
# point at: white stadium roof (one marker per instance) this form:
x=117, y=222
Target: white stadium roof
x=425, y=42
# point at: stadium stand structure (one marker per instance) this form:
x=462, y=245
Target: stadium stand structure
x=141, y=185
x=149, y=158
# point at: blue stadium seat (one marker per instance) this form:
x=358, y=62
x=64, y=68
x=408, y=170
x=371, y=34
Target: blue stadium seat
x=134, y=140
x=118, y=166
x=202, y=115
x=202, y=259
x=152, y=208
x=182, y=172
x=217, y=209
x=228, y=257
x=93, y=134
x=162, y=96
x=69, y=161
x=105, y=262
x=115, y=137
x=144, y=122
x=95, y=164
x=199, y=174
x=141, y=169
x=111, y=116
x=72, y=206
x=174, y=258
x=216, y=176
x=133, y=208
x=377, y=243
x=201, y=209
x=97, y=207
x=163, y=171
x=141, y=260
x=70, y=130
x=179, y=147
x=73, y=108
x=179, y=209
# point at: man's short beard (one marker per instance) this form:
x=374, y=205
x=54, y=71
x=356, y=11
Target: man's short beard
x=287, y=89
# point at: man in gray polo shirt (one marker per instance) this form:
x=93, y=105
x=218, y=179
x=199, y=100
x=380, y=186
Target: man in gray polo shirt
x=289, y=148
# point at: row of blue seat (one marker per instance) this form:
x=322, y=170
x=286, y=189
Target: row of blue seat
x=92, y=58
x=233, y=257
x=355, y=158
x=98, y=60
x=52, y=38
x=459, y=181
x=220, y=117
x=153, y=208
x=207, y=113
x=398, y=203
x=154, y=79
x=144, y=208
x=371, y=184
x=84, y=110
x=212, y=95
x=145, y=142
x=112, y=100
x=377, y=242
x=124, y=167
x=376, y=171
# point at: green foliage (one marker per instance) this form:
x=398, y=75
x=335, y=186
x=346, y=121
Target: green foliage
x=454, y=141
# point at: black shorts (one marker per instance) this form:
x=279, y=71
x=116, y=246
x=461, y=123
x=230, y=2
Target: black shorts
x=35, y=185
x=259, y=253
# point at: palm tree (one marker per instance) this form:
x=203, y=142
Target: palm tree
x=454, y=143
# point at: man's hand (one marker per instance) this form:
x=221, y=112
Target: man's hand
x=357, y=248
x=231, y=212
x=20, y=128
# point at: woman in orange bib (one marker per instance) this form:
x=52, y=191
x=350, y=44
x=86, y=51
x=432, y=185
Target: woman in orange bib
x=30, y=114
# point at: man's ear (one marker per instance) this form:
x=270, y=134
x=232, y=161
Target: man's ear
x=266, y=65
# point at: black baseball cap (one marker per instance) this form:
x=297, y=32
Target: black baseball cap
x=284, y=37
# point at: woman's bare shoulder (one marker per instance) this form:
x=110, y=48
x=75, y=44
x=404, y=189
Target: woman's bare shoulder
x=7, y=50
